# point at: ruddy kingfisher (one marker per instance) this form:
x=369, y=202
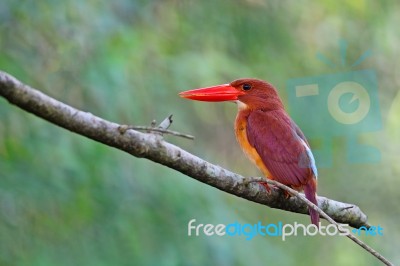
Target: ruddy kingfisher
x=267, y=134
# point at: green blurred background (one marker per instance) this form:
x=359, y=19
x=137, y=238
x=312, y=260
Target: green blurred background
x=67, y=200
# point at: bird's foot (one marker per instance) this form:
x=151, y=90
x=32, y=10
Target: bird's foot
x=286, y=194
x=269, y=187
x=266, y=186
x=259, y=180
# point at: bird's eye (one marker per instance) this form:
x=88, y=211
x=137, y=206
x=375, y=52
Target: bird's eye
x=246, y=87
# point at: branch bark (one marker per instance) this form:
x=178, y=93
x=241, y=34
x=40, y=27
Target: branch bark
x=154, y=148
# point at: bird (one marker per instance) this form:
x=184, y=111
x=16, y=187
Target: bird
x=267, y=134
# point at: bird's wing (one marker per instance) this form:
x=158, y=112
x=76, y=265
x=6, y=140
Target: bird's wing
x=282, y=146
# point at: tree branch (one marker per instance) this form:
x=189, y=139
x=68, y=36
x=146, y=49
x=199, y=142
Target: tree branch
x=154, y=148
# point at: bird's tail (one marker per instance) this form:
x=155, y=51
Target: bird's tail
x=310, y=190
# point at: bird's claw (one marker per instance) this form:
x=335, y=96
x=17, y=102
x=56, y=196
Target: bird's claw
x=286, y=194
x=266, y=186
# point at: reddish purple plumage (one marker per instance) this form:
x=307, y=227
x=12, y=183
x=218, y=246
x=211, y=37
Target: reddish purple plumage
x=310, y=191
x=278, y=141
x=272, y=135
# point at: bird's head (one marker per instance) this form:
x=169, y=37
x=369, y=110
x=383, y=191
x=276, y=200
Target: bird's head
x=248, y=93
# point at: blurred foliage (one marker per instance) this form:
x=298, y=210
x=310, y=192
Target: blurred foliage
x=66, y=200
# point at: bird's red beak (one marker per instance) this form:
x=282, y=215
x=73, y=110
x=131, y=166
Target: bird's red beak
x=220, y=93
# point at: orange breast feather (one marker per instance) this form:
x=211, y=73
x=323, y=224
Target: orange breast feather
x=251, y=153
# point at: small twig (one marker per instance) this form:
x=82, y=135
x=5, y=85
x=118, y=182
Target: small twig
x=155, y=129
x=161, y=128
x=291, y=191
